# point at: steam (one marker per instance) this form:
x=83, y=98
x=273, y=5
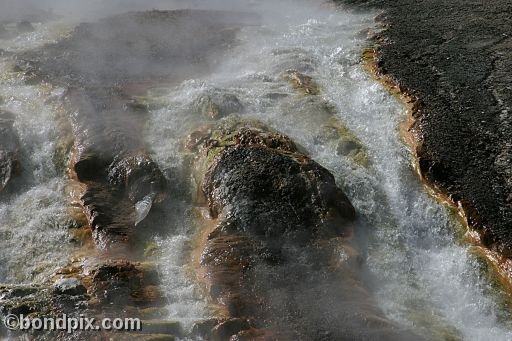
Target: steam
x=303, y=35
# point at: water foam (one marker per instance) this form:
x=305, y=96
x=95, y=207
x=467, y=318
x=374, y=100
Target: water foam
x=422, y=276
x=33, y=218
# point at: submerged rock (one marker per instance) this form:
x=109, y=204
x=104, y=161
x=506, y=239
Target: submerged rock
x=9, y=164
x=281, y=248
x=314, y=111
x=217, y=104
x=347, y=143
x=303, y=82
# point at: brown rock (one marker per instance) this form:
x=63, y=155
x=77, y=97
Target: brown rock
x=303, y=82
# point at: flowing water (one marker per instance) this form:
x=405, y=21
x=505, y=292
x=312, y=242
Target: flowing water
x=420, y=271
x=34, y=218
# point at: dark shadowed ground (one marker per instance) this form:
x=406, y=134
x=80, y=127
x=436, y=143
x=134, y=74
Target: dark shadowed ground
x=455, y=57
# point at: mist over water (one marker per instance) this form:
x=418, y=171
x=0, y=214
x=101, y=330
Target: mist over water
x=33, y=218
x=421, y=274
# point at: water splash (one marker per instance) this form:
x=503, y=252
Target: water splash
x=420, y=274
x=33, y=218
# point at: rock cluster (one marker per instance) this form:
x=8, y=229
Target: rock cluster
x=104, y=66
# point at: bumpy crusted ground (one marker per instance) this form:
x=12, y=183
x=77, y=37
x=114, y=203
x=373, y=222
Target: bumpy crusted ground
x=454, y=57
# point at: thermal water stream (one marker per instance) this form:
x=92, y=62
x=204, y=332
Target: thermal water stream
x=420, y=271
x=33, y=219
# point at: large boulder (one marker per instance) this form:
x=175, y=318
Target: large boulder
x=278, y=257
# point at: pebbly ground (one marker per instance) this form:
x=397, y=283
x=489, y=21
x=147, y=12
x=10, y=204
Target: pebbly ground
x=454, y=56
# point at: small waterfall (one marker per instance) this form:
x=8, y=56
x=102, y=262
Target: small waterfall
x=422, y=273
x=33, y=217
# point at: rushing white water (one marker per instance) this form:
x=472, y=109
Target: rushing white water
x=33, y=217
x=421, y=274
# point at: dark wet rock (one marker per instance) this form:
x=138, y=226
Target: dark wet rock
x=125, y=283
x=280, y=250
x=453, y=57
x=265, y=335
x=303, y=82
x=308, y=190
x=41, y=300
x=116, y=288
x=204, y=328
x=111, y=160
x=105, y=66
x=152, y=313
x=224, y=331
x=26, y=300
x=9, y=164
x=10, y=292
x=38, y=304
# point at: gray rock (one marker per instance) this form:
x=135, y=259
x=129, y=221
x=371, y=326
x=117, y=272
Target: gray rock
x=70, y=286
